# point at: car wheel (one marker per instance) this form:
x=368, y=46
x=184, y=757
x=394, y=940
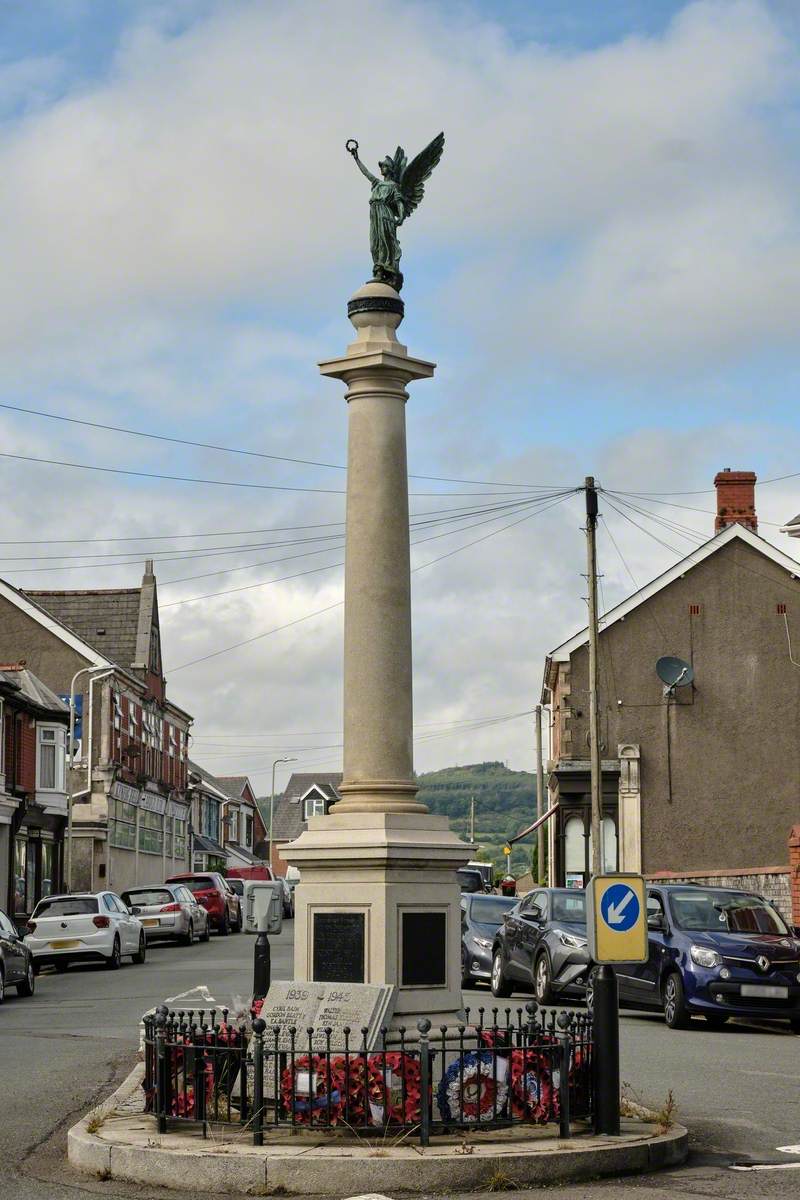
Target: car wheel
x=500, y=985
x=676, y=1014
x=225, y=925
x=717, y=1020
x=590, y=992
x=25, y=988
x=141, y=953
x=205, y=936
x=2, y=986
x=466, y=978
x=237, y=925
x=541, y=980
x=188, y=937
x=115, y=961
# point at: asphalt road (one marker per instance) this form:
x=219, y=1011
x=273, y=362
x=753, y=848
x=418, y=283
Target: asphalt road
x=738, y=1089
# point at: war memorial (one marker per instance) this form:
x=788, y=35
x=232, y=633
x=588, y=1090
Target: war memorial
x=365, y=1072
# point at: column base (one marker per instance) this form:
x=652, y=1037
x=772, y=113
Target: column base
x=385, y=884
x=379, y=796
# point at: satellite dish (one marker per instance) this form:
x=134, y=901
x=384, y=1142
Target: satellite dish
x=674, y=673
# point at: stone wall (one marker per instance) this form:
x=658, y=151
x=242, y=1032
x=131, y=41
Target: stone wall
x=770, y=882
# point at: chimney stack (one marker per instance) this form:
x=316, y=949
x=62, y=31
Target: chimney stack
x=736, y=499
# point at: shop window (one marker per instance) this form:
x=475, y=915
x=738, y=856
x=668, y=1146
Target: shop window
x=123, y=825
x=180, y=838
x=51, y=758
x=574, y=846
x=151, y=832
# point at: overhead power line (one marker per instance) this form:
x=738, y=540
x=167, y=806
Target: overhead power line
x=339, y=603
x=176, y=441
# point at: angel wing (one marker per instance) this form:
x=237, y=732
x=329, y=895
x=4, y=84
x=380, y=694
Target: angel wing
x=412, y=181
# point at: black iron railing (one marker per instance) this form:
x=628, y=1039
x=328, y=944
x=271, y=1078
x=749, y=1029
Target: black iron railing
x=503, y=1067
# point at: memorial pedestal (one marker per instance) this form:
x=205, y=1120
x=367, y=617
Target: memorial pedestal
x=379, y=902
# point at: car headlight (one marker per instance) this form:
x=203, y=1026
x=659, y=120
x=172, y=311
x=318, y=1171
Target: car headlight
x=484, y=943
x=705, y=957
x=571, y=939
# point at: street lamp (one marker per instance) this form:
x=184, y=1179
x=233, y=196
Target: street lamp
x=75, y=678
x=272, y=803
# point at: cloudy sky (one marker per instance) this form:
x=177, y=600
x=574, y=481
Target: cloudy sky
x=606, y=269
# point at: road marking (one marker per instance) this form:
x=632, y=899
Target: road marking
x=788, y=1149
x=765, y=1166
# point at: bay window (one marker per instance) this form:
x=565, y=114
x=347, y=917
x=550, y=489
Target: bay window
x=51, y=758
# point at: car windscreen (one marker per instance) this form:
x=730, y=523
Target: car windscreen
x=490, y=910
x=724, y=912
x=66, y=906
x=200, y=883
x=142, y=897
x=570, y=906
x=470, y=881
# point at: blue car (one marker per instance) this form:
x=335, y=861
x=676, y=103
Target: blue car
x=716, y=953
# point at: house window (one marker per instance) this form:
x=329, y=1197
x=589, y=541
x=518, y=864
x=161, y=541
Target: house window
x=209, y=818
x=248, y=832
x=233, y=825
x=51, y=758
x=123, y=825
x=314, y=806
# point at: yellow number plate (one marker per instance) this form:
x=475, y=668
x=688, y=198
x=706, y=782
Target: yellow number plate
x=65, y=944
x=150, y=921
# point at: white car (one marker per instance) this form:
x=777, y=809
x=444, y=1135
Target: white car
x=87, y=927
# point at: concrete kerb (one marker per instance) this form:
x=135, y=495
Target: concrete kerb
x=114, y=1141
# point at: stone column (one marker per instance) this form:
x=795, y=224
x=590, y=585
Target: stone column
x=378, y=899
x=378, y=721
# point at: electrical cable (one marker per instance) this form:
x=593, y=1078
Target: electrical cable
x=305, y=462
x=232, y=483
x=339, y=603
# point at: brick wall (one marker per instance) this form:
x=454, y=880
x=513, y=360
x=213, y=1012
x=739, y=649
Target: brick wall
x=794, y=873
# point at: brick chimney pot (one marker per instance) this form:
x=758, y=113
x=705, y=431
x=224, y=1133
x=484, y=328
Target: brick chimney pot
x=736, y=499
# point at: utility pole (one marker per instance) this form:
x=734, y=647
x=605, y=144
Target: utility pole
x=540, y=809
x=594, y=708
x=472, y=820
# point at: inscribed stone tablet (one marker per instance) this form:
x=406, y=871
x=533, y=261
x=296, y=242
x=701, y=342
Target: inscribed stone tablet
x=339, y=947
x=424, y=944
x=290, y=1006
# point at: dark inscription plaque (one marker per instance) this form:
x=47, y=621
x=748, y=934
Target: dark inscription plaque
x=339, y=947
x=424, y=940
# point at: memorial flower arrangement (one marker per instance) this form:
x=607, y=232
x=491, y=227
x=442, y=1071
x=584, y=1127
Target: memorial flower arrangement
x=474, y=1087
x=533, y=1087
x=309, y=1088
x=395, y=1089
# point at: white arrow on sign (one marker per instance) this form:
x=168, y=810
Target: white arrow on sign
x=615, y=911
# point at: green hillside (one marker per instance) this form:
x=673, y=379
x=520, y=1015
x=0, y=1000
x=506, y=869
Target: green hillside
x=505, y=803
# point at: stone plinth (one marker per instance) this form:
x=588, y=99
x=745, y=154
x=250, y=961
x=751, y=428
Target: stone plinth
x=393, y=868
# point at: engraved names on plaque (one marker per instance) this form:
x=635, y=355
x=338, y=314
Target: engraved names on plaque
x=339, y=946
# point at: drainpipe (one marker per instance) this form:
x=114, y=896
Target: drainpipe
x=70, y=796
x=92, y=681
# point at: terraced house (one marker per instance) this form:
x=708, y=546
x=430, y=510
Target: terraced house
x=130, y=815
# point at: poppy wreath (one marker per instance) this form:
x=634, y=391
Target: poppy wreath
x=350, y=1077
x=534, y=1087
x=325, y=1104
x=474, y=1088
x=386, y=1101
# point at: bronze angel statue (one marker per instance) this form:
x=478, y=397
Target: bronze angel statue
x=394, y=197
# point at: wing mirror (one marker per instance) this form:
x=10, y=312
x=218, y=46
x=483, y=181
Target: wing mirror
x=134, y=910
x=656, y=921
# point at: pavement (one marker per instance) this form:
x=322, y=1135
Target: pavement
x=67, y=1048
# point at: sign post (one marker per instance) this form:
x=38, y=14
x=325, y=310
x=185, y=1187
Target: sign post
x=616, y=924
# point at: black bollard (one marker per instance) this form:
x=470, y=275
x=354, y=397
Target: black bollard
x=606, y=1052
x=262, y=962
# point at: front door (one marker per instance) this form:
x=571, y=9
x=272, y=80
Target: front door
x=639, y=982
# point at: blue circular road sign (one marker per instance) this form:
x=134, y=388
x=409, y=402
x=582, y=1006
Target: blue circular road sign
x=620, y=907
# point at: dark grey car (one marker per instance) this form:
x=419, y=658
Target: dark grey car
x=542, y=947
x=16, y=960
x=481, y=917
